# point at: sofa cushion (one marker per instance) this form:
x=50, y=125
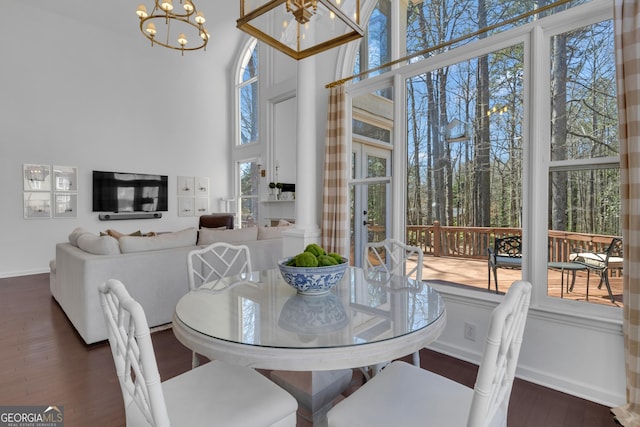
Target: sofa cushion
x=207, y=236
x=77, y=232
x=186, y=237
x=98, y=245
x=266, y=233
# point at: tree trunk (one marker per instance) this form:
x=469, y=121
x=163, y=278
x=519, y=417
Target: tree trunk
x=482, y=193
x=559, y=132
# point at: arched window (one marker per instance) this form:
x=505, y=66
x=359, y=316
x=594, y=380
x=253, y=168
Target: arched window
x=247, y=96
x=246, y=150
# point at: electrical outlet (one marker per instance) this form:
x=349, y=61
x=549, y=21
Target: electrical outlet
x=470, y=331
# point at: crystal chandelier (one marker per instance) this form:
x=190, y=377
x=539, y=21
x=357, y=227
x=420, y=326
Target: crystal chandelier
x=301, y=28
x=159, y=24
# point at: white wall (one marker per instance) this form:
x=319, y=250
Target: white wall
x=100, y=97
x=578, y=355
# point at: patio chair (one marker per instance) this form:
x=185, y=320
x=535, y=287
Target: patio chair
x=506, y=253
x=601, y=263
x=216, y=392
x=215, y=261
x=387, y=258
x=404, y=395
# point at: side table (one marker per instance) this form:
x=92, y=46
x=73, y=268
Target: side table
x=569, y=267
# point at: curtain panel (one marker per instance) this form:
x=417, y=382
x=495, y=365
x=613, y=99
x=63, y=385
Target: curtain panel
x=335, y=209
x=627, y=45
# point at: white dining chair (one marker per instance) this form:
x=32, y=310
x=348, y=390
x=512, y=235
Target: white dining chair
x=393, y=257
x=387, y=258
x=215, y=261
x=404, y=395
x=215, y=393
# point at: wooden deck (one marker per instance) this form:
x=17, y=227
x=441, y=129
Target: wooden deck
x=472, y=272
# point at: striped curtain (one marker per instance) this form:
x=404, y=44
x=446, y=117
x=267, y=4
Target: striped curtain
x=335, y=209
x=627, y=43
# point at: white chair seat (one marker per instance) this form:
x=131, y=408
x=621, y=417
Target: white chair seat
x=184, y=393
x=426, y=396
x=262, y=402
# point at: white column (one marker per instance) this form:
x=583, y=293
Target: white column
x=307, y=213
x=306, y=177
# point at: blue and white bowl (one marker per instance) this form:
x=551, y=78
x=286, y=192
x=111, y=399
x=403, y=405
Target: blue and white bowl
x=313, y=314
x=312, y=280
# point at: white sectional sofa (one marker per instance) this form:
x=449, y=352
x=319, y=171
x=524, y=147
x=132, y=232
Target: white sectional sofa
x=154, y=270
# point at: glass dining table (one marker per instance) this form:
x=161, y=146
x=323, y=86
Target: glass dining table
x=258, y=320
x=310, y=343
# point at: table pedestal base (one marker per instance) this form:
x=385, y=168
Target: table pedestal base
x=314, y=391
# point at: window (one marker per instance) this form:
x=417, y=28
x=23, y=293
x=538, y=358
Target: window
x=464, y=144
x=248, y=193
x=247, y=93
x=492, y=137
x=376, y=48
x=584, y=172
x=246, y=150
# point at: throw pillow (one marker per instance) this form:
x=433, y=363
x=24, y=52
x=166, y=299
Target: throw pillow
x=98, y=245
x=209, y=236
x=178, y=239
x=117, y=234
x=77, y=232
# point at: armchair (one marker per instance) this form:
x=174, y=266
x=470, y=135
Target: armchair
x=216, y=220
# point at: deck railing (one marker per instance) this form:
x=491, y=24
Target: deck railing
x=472, y=242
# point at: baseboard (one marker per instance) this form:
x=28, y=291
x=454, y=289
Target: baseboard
x=7, y=274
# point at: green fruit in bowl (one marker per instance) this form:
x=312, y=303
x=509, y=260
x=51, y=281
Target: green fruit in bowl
x=306, y=259
x=326, y=260
x=315, y=256
x=315, y=249
x=336, y=256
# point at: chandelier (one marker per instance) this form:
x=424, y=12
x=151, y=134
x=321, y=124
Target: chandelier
x=159, y=24
x=301, y=28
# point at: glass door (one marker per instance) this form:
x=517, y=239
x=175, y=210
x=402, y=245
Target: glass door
x=370, y=198
x=371, y=156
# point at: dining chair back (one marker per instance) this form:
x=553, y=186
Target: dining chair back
x=215, y=261
x=391, y=257
x=133, y=355
x=404, y=395
x=381, y=261
x=496, y=373
x=188, y=399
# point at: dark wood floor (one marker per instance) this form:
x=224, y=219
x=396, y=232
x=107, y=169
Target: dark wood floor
x=44, y=362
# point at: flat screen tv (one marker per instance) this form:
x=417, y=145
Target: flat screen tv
x=129, y=192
